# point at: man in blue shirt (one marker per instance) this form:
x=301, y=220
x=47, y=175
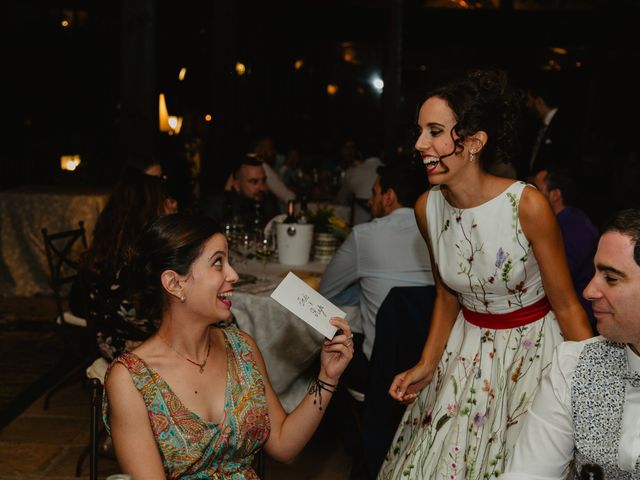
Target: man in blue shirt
x=578, y=232
x=383, y=253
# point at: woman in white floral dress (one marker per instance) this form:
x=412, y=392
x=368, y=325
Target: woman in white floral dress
x=504, y=295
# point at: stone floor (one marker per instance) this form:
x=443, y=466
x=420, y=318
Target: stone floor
x=46, y=444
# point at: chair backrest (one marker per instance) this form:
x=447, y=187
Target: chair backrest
x=63, y=267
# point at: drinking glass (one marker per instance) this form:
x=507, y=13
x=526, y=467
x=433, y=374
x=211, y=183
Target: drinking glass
x=264, y=249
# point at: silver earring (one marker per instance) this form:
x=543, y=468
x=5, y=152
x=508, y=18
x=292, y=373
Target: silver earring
x=182, y=299
x=472, y=156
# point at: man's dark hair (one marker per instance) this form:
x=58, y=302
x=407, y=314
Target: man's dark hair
x=547, y=87
x=249, y=160
x=561, y=179
x=626, y=222
x=408, y=182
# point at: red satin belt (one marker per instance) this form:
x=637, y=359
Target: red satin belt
x=501, y=321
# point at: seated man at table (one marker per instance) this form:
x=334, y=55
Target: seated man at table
x=384, y=253
x=249, y=202
x=588, y=406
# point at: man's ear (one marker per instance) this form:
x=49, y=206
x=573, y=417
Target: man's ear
x=389, y=197
x=555, y=195
x=171, y=281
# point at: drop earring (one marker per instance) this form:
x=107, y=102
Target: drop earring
x=472, y=156
x=182, y=299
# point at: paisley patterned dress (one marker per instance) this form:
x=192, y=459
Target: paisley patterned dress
x=465, y=423
x=192, y=448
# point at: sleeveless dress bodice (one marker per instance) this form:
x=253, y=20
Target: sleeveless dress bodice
x=484, y=257
x=192, y=448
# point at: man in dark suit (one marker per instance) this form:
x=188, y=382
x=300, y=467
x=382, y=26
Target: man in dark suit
x=557, y=140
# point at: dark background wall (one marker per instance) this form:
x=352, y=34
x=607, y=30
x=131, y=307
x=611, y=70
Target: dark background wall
x=91, y=88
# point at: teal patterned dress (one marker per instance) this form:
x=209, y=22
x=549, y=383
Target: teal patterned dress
x=465, y=423
x=192, y=448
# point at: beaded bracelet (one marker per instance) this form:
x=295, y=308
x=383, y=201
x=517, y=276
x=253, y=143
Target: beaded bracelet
x=316, y=388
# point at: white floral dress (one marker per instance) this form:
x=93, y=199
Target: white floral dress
x=465, y=423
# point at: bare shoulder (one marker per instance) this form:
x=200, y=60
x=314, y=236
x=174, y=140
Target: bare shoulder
x=119, y=386
x=536, y=216
x=533, y=203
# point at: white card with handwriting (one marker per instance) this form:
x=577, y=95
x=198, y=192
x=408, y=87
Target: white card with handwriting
x=304, y=302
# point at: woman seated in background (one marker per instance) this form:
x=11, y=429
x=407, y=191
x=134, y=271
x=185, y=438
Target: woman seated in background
x=195, y=401
x=101, y=294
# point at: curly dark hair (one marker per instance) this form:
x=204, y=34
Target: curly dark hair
x=483, y=100
x=171, y=242
x=136, y=200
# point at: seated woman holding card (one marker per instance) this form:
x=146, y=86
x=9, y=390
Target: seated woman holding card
x=194, y=400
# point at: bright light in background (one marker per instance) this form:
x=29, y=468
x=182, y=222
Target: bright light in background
x=377, y=83
x=175, y=123
x=208, y=117
x=559, y=50
x=65, y=23
x=298, y=64
x=240, y=68
x=69, y=162
x=332, y=89
x=182, y=74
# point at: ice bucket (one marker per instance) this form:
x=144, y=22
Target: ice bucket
x=294, y=242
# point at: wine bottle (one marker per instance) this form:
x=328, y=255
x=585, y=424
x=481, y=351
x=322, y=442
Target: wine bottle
x=291, y=218
x=302, y=214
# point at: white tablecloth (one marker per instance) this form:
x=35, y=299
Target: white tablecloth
x=24, y=212
x=289, y=346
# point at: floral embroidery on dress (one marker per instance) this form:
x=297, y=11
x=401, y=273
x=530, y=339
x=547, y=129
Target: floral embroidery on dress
x=465, y=423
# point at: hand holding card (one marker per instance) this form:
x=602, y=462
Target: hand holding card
x=307, y=304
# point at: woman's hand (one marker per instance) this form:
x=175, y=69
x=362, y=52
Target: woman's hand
x=406, y=386
x=337, y=352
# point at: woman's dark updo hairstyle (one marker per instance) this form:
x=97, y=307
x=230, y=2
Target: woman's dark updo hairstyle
x=483, y=100
x=172, y=242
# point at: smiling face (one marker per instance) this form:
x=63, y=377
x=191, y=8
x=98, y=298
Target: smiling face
x=436, y=143
x=614, y=291
x=209, y=284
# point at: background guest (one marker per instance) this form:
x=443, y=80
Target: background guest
x=579, y=234
x=556, y=142
x=378, y=255
x=357, y=181
x=102, y=294
x=249, y=201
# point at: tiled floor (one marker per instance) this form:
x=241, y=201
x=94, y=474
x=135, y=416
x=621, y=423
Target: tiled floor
x=45, y=444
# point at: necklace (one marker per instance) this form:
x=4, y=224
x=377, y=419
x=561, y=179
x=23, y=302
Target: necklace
x=200, y=365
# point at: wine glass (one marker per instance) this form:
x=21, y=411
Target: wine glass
x=264, y=249
x=244, y=246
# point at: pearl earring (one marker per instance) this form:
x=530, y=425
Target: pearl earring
x=182, y=299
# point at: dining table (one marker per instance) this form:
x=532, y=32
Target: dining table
x=290, y=347
x=24, y=212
